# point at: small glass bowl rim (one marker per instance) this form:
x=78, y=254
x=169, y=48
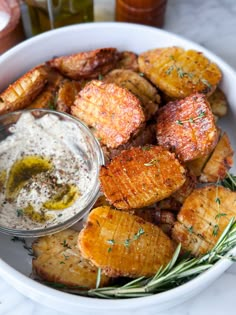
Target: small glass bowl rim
x=93, y=193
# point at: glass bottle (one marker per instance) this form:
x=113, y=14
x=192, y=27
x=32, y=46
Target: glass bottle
x=149, y=12
x=49, y=14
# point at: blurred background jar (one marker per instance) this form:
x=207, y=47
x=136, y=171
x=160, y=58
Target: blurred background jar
x=149, y=12
x=44, y=15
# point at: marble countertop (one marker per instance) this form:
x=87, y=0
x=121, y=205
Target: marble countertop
x=212, y=24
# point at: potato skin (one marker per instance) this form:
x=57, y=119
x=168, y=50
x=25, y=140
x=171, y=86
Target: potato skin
x=113, y=112
x=117, y=242
x=22, y=92
x=139, y=177
x=187, y=127
x=86, y=65
x=139, y=86
x=128, y=60
x=179, y=73
x=219, y=103
x=59, y=260
x=219, y=162
x=203, y=217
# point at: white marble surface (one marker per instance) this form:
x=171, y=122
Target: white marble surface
x=211, y=23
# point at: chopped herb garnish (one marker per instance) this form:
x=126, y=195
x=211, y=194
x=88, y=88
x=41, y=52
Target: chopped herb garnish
x=100, y=76
x=190, y=229
x=65, y=244
x=219, y=215
x=217, y=200
x=59, y=215
x=19, y=212
x=141, y=74
x=215, y=229
x=205, y=82
x=62, y=262
x=191, y=119
x=109, y=249
x=146, y=148
x=170, y=69
x=151, y=163
x=138, y=234
x=127, y=242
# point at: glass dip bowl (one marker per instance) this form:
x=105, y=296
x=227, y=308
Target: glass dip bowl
x=49, y=167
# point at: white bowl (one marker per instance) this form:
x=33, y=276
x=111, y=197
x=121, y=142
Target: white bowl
x=15, y=265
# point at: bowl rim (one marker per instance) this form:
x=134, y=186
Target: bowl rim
x=93, y=193
x=11, y=274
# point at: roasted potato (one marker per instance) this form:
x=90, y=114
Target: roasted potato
x=220, y=161
x=139, y=86
x=187, y=127
x=128, y=60
x=218, y=102
x=113, y=112
x=139, y=177
x=46, y=99
x=203, y=217
x=58, y=259
x=145, y=136
x=22, y=92
x=179, y=73
x=165, y=219
x=196, y=166
x=66, y=95
x=185, y=190
x=169, y=204
x=117, y=242
x=86, y=65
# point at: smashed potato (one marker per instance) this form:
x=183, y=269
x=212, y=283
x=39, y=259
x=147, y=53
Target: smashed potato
x=220, y=161
x=117, y=242
x=187, y=127
x=179, y=73
x=66, y=95
x=203, y=217
x=46, y=99
x=86, y=65
x=139, y=86
x=218, y=102
x=139, y=177
x=23, y=91
x=58, y=259
x=128, y=60
x=113, y=112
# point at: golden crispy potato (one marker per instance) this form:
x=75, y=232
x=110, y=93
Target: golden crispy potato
x=145, y=136
x=128, y=60
x=218, y=102
x=187, y=127
x=139, y=177
x=196, y=166
x=185, y=190
x=59, y=260
x=113, y=112
x=179, y=73
x=46, y=99
x=66, y=95
x=137, y=85
x=21, y=93
x=122, y=244
x=86, y=65
x=219, y=163
x=203, y=217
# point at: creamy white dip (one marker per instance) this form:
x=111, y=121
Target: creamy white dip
x=57, y=141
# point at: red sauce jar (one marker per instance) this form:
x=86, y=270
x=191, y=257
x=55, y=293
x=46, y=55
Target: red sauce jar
x=149, y=12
